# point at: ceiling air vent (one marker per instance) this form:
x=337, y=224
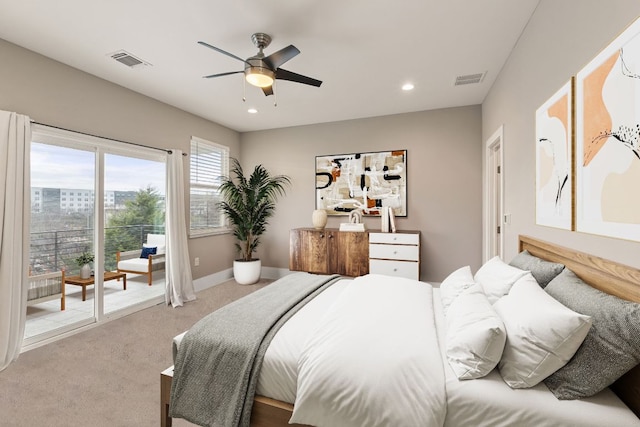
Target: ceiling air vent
x=124, y=57
x=469, y=79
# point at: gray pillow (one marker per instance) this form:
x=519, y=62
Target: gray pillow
x=612, y=346
x=543, y=271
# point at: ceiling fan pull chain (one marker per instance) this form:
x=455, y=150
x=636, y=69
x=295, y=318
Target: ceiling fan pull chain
x=244, y=90
x=275, y=94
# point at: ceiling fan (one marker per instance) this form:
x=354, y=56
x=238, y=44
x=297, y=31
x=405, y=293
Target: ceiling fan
x=262, y=71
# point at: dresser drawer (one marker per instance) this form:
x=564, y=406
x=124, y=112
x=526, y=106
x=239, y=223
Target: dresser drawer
x=400, y=252
x=406, y=269
x=395, y=238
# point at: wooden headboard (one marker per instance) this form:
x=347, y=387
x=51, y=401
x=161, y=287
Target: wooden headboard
x=608, y=276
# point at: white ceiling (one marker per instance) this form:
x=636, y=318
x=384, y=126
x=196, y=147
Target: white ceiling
x=362, y=50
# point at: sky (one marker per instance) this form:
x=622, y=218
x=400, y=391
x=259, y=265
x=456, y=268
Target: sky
x=60, y=167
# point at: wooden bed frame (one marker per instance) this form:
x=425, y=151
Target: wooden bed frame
x=608, y=276
x=266, y=412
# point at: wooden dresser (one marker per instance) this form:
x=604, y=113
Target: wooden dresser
x=330, y=251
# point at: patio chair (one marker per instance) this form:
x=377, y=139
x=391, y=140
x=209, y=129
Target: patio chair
x=46, y=287
x=132, y=261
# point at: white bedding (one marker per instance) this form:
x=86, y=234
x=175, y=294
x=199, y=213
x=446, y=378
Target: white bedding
x=487, y=401
x=373, y=359
x=279, y=373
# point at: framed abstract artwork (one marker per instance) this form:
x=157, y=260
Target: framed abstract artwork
x=608, y=140
x=364, y=181
x=554, y=148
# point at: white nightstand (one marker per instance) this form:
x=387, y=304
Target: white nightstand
x=395, y=254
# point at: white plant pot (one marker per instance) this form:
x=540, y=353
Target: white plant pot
x=247, y=272
x=85, y=271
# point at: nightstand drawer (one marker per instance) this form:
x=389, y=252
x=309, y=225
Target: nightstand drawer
x=399, y=252
x=407, y=269
x=395, y=238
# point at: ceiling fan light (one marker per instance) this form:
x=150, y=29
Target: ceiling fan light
x=260, y=77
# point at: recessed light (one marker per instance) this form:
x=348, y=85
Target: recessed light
x=252, y=111
x=407, y=86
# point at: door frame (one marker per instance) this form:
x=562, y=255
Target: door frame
x=493, y=200
x=99, y=147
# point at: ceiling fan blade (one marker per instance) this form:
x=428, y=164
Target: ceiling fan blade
x=268, y=90
x=224, y=52
x=278, y=58
x=298, y=78
x=221, y=74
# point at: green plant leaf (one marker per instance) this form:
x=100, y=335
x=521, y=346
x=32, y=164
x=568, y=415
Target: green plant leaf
x=249, y=202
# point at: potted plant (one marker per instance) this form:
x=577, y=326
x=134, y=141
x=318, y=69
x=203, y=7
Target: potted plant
x=83, y=262
x=248, y=203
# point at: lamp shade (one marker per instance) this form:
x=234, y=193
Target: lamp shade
x=259, y=76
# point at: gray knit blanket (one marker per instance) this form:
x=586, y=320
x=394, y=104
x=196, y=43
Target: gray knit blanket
x=219, y=359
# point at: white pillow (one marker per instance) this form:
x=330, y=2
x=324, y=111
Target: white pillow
x=542, y=334
x=496, y=278
x=475, y=335
x=454, y=285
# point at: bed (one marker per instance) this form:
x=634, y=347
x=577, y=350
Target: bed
x=484, y=401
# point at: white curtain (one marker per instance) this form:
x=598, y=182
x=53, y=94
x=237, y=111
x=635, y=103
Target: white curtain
x=179, y=280
x=15, y=143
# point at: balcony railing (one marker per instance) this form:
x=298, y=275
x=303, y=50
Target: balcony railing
x=57, y=250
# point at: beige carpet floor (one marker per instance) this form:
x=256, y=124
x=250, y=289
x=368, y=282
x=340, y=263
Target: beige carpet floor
x=108, y=375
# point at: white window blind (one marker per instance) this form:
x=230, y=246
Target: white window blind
x=208, y=162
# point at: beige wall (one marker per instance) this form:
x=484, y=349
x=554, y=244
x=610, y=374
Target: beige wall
x=562, y=36
x=444, y=179
x=56, y=94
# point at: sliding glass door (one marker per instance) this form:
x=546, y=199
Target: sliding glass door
x=62, y=224
x=97, y=202
x=134, y=211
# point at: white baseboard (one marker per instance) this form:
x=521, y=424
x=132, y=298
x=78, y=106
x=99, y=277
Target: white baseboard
x=274, y=273
x=214, y=279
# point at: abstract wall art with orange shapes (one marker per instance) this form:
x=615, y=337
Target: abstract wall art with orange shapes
x=608, y=140
x=554, y=146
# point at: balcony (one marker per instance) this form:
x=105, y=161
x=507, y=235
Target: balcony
x=57, y=250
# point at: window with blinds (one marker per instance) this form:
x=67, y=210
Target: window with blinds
x=209, y=161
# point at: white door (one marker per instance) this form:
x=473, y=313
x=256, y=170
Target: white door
x=494, y=172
